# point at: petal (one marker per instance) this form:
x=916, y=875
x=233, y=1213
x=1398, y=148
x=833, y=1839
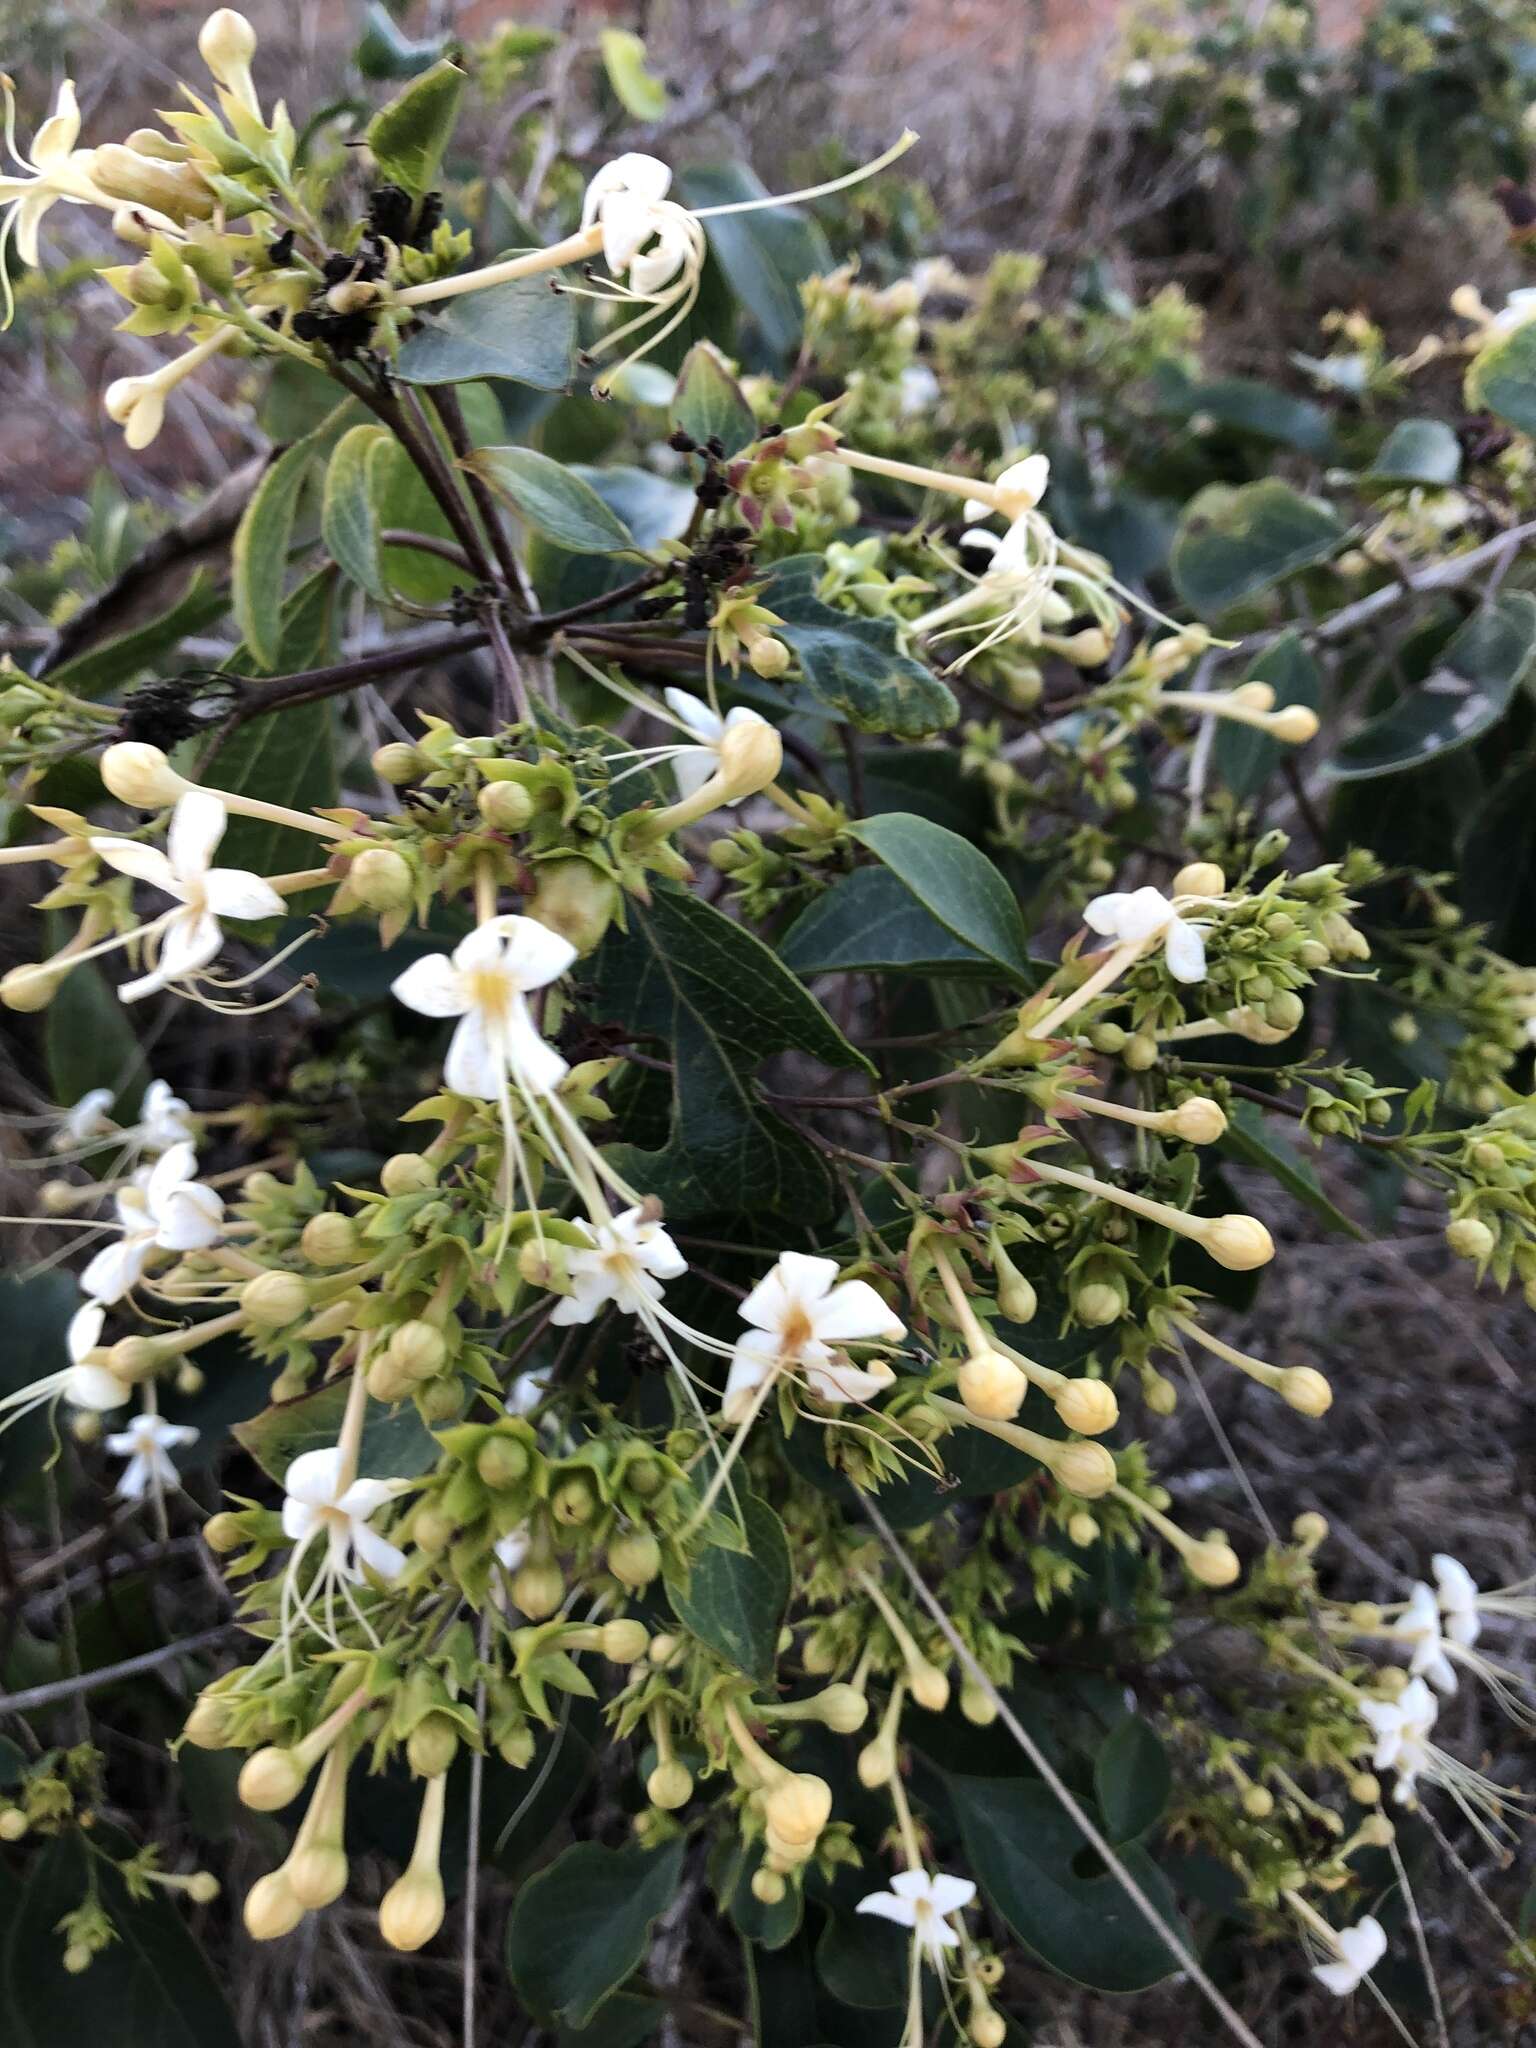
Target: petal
x=853, y=1311
x=629, y=222
x=534, y=1063
x=134, y=1483
x=1027, y=478
x=535, y=954
x=692, y=768
x=694, y=713
x=912, y=1884
x=192, y=1220
x=27, y=219
x=1339, y=1978
x=84, y=1332
x=313, y=1476
x=431, y=986
x=477, y=1060
x=950, y=1894
x=144, y=863
x=92, y=1386
x=377, y=1552
x=1184, y=950
x=1103, y=915
x=298, y=1518
x=480, y=948
x=1458, y=1588
x=197, y=826
x=189, y=942
x=650, y=178
x=233, y=892
x=751, y=1362
x=1144, y=912
x=887, y=1906
x=116, y=1268
x=843, y=1382
x=61, y=131
x=172, y=1170
x=652, y=272
x=364, y=1497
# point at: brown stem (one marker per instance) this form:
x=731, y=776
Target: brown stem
x=276, y=693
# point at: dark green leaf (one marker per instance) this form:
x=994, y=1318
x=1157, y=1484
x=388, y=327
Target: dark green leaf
x=870, y=921
x=259, y=557
x=863, y=1960
x=1417, y=452
x=766, y=256
x=708, y=403
x=1466, y=694
x=349, y=510
x=34, y=1314
x=580, y=1927
x=955, y=883
x=562, y=506
x=521, y=331
x=383, y=52
x=853, y=665
x=113, y=664
x=1025, y=1853
x=735, y=1600
x=1131, y=1780
x=1235, y=541
x=91, y=1044
x=1503, y=378
x=625, y=2020
x=408, y=136
x=396, y=1443
x=1246, y=758
x=1249, y=1139
x=1249, y=407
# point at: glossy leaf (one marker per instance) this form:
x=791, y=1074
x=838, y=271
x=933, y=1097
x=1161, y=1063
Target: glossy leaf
x=1236, y=541
x=1417, y=452
x=408, y=136
x=1245, y=758
x=1024, y=1852
x=383, y=52
x=766, y=256
x=580, y=1927
x=853, y=665
x=521, y=331
x=1132, y=1779
x=955, y=883
x=559, y=504
x=349, y=509
x=259, y=556
x=734, y=1600
x=1252, y=1140
x=396, y=1443
x=1465, y=695
x=870, y=921
x=708, y=403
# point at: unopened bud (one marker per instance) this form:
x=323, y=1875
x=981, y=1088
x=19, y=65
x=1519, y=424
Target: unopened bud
x=538, y=1589
x=1305, y=1390
x=432, y=1746
x=1082, y=1530
x=1088, y=1406
x=505, y=806
x=330, y=1239
x=274, y=1300
x=799, y=1807
x=317, y=1876
x=1099, y=1302
x=1200, y=878
x=977, y=1705
x=30, y=988
x=1084, y=1469
x=768, y=657
x=1469, y=1238
x=1365, y=1788
x=624, y=1642
x=502, y=1461
x=222, y=1534
x=398, y=763
x=271, y=1910
x=768, y=1887
x=1237, y=1242
x=133, y=1358
x=1212, y=1563
x=411, y=1911
x=1198, y=1121
x=418, y=1349
x=670, y=1785
x=381, y=879
x=988, y=2028
x=1258, y=1802
x=270, y=1780
x=407, y=1173
x=843, y=1709
x=1310, y=1529
x=573, y=898
x=1294, y=723
x=634, y=1558
x=203, y=1887
x=992, y=1386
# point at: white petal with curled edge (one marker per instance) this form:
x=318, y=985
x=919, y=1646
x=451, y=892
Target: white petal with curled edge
x=116, y=1268
x=751, y=1362
x=60, y=132
x=1184, y=949
x=192, y=1219
x=653, y=271
x=365, y=1497
x=1104, y=913
x=377, y=1552
x=313, y=1476
x=628, y=224
x=950, y=1894
x=143, y=863
x=854, y=1311
x=431, y=986
x=190, y=941
x=235, y=892
x=888, y=1906
x=84, y=1332
x=197, y=826
x=694, y=713
x=92, y=1386
x=836, y=1383
x=535, y=954
x=1144, y=912
x=170, y=1171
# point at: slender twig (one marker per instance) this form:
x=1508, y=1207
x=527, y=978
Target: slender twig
x=109, y=1674
x=276, y=693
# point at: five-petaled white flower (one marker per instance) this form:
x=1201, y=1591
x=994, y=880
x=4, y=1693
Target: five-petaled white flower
x=147, y=1443
x=629, y=1258
x=1142, y=915
x=164, y=1120
x=799, y=1317
x=90, y=1118
x=87, y=1385
x=694, y=765
x=319, y=1504
x=647, y=238
x=187, y=938
x=1401, y=1727
x=1360, y=1948
x=923, y=1902
x=161, y=1210
x=55, y=170
x=485, y=984
x=526, y=1392
x=1419, y=1624
x=1458, y=1599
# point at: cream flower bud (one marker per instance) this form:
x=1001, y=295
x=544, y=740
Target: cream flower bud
x=418, y=1349
x=798, y=1807
x=505, y=806
x=978, y=1707
x=624, y=1642
x=1237, y=1242
x=843, y=1709
x=1213, y=1562
x=140, y=775
x=992, y=1386
x=1200, y=878
x=1294, y=723
x=407, y=1173
x=670, y=1785
x=412, y=1910
x=30, y=988
x=270, y=1780
x=768, y=1887
x=876, y=1763
x=1254, y=696
x=317, y=1876
x=1199, y=1121
x=1088, y=1406
x=271, y=1909
x=1310, y=1529
x=1084, y=1469
x=571, y=897
x=380, y=879
x=1082, y=1529
x=988, y=2028
x=274, y=1300
x=1303, y=1388
x=330, y=1239
x=398, y=763
x=173, y=189
x=1469, y=1238
x=751, y=755
x=203, y=1887
x=227, y=43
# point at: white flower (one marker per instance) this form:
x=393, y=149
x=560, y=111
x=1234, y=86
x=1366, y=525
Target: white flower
x=1360, y=1948
x=87, y=1385
x=1401, y=1728
x=162, y=1209
x=511, y=1549
x=798, y=1318
x=188, y=938
x=164, y=1120
x=1419, y=1625
x=1018, y=490
x=1142, y=915
x=694, y=765
x=1458, y=1599
x=147, y=1443
x=485, y=984
x=317, y=1504
x=528, y=1390
x=917, y=390
x=630, y=1256
x=89, y=1118
x=137, y=404
x=55, y=170
x=923, y=1903
x=1517, y=309
x=646, y=236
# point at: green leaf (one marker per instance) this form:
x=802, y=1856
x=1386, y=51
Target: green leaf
x=1248, y=406
x=766, y=256
x=1246, y=758
x=721, y=1002
x=708, y=404
x=1025, y=1853
x=635, y=88
x=383, y=52
x=561, y=506
x=580, y=1927
x=863, y=1961
x=853, y=665
x=1131, y=1780
x=91, y=1044
x=1467, y=693
x=259, y=556
x=152, y=1986
x=734, y=1600
x=1248, y=1139
x=112, y=664
x=1235, y=541
x=520, y=331
x=408, y=136
x=624, y=2021
x=396, y=1443
x=1503, y=379
x=349, y=509
x=955, y=883
x=34, y=1314
x=871, y=922
x=1417, y=452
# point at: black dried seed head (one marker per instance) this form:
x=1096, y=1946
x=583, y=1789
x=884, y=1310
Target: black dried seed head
x=389, y=212
x=166, y=711
x=685, y=444
x=714, y=490
x=280, y=252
